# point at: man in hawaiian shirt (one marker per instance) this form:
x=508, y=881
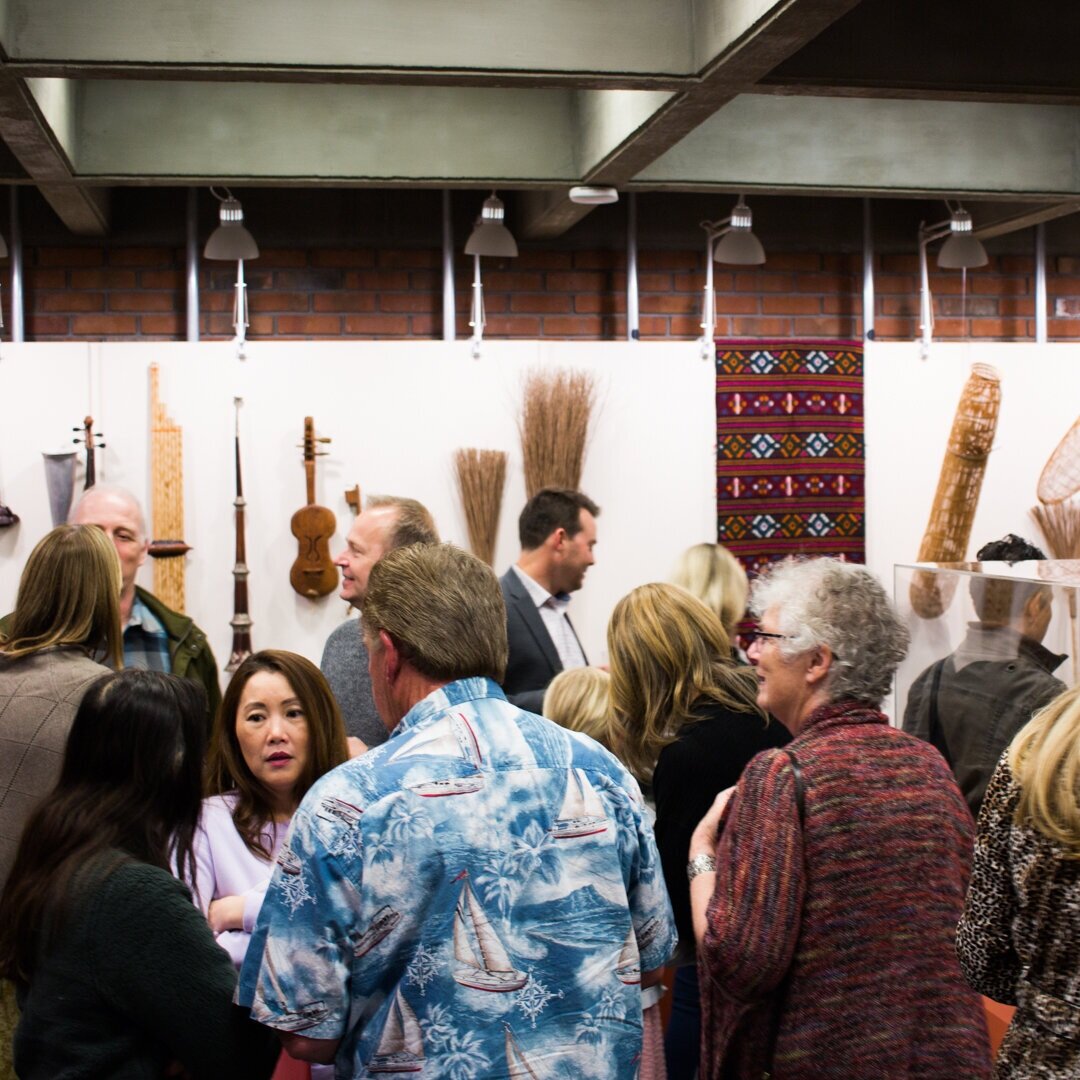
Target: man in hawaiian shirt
x=478, y=896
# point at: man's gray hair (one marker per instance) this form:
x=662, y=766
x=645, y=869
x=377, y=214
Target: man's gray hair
x=842, y=605
x=413, y=523
x=444, y=609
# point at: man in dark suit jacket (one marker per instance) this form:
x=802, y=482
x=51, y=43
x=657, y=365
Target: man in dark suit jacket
x=557, y=529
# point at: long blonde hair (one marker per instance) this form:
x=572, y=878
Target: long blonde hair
x=1045, y=762
x=712, y=574
x=669, y=656
x=69, y=594
x=580, y=699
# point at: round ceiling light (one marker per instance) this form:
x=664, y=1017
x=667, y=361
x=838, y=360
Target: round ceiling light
x=593, y=196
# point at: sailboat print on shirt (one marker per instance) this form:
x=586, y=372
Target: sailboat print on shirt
x=300, y=1018
x=386, y=918
x=482, y=962
x=517, y=1068
x=451, y=737
x=628, y=966
x=582, y=812
x=401, y=1044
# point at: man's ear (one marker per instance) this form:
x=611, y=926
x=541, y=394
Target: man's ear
x=821, y=662
x=391, y=656
x=557, y=539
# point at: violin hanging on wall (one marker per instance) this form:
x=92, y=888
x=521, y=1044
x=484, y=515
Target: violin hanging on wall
x=313, y=573
x=88, y=437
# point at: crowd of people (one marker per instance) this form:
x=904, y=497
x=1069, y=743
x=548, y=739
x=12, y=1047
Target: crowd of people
x=459, y=850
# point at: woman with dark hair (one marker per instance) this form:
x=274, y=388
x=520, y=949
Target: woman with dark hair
x=278, y=730
x=117, y=973
x=686, y=719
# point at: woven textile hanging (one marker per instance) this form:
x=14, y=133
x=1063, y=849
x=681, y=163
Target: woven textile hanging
x=790, y=461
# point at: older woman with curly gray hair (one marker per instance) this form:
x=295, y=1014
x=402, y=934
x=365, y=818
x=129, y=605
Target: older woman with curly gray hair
x=827, y=885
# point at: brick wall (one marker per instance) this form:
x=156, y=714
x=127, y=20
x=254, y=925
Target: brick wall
x=127, y=293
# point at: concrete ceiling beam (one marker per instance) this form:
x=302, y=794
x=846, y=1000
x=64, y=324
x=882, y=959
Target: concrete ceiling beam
x=36, y=130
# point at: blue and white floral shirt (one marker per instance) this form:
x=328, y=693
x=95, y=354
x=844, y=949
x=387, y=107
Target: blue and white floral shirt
x=475, y=898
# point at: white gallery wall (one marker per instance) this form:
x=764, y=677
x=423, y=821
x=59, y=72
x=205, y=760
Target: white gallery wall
x=396, y=412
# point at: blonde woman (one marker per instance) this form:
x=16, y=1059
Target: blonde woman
x=580, y=699
x=1019, y=936
x=685, y=718
x=67, y=616
x=712, y=574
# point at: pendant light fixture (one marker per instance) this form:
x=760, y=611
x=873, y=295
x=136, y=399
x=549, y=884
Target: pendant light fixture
x=228, y=242
x=961, y=251
x=730, y=240
x=492, y=238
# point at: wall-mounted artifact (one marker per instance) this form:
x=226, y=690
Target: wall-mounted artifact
x=481, y=476
x=166, y=500
x=60, y=481
x=1060, y=478
x=957, y=496
x=554, y=428
x=313, y=572
x=87, y=438
x=352, y=497
x=241, y=620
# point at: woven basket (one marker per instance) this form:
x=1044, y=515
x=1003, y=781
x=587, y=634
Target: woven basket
x=1060, y=477
x=957, y=497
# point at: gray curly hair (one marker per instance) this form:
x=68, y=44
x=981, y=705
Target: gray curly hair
x=842, y=605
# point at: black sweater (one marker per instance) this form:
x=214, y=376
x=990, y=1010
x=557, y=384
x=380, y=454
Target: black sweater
x=133, y=981
x=708, y=756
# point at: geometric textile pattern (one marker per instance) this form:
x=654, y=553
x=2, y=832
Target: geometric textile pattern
x=790, y=460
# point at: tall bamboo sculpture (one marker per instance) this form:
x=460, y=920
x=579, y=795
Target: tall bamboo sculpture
x=481, y=477
x=554, y=428
x=167, y=500
x=957, y=497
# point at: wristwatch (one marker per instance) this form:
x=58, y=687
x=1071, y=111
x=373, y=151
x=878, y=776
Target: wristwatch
x=700, y=864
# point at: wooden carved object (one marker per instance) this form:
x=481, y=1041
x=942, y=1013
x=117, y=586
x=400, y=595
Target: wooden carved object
x=87, y=439
x=166, y=500
x=241, y=620
x=313, y=572
x=957, y=497
x=352, y=497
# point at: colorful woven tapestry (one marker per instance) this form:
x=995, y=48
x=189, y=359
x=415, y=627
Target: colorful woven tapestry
x=789, y=450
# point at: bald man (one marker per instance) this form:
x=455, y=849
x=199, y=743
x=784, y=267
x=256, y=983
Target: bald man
x=156, y=638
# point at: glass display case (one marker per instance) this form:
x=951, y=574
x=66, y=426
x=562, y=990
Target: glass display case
x=1003, y=630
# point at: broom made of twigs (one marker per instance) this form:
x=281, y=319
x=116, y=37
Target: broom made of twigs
x=554, y=428
x=1060, y=525
x=481, y=475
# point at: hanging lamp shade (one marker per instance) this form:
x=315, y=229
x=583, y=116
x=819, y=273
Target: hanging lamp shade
x=230, y=241
x=490, y=236
x=739, y=246
x=961, y=250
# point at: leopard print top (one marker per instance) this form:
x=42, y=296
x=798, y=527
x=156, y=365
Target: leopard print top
x=1019, y=938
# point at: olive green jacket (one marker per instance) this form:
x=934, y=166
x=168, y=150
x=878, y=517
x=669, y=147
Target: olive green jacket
x=189, y=650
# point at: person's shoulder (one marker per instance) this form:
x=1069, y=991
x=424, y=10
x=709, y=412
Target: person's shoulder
x=347, y=633
x=218, y=807
x=130, y=884
x=174, y=622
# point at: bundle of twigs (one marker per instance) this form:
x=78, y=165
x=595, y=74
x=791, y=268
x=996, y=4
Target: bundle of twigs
x=554, y=428
x=1060, y=525
x=481, y=475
